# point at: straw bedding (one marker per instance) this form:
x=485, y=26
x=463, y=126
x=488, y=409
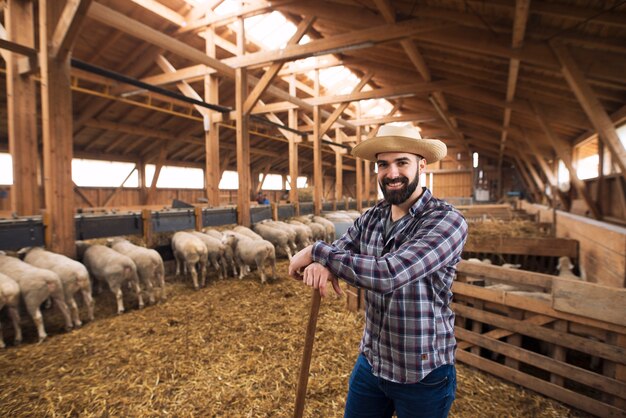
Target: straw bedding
x=232, y=349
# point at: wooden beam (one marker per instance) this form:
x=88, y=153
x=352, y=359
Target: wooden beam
x=160, y=10
x=522, y=8
x=144, y=32
x=565, y=155
x=591, y=105
x=348, y=41
x=273, y=70
x=67, y=27
x=157, y=172
x=343, y=106
x=221, y=20
x=406, y=90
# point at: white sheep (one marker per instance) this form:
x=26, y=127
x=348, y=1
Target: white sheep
x=36, y=286
x=229, y=256
x=328, y=226
x=290, y=230
x=305, y=234
x=108, y=266
x=279, y=238
x=74, y=277
x=565, y=268
x=149, y=263
x=244, y=230
x=10, y=297
x=190, y=251
x=248, y=251
x=215, y=252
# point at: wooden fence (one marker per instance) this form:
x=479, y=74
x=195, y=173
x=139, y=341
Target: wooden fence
x=560, y=337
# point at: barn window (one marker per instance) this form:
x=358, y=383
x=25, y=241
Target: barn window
x=229, y=181
x=6, y=169
x=302, y=182
x=176, y=177
x=97, y=173
x=272, y=182
x=563, y=177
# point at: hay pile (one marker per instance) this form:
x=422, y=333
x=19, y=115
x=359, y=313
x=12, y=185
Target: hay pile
x=230, y=350
x=498, y=229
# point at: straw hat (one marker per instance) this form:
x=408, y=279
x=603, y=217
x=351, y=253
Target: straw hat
x=391, y=138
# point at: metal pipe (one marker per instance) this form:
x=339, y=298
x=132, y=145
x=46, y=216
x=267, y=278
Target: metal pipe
x=134, y=82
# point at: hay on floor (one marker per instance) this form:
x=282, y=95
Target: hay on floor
x=232, y=349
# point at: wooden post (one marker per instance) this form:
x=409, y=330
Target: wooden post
x=359, y=165
x=197, y=211
x=318, y=181
x=293, y=147
x=146, y=219
x=56, y=115
x=22, y=111
x=212, y=135
x=338, y=168
x=558, y=352
x=243, y=135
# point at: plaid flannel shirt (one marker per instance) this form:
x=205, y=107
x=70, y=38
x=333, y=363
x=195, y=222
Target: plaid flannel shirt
x=409, y=328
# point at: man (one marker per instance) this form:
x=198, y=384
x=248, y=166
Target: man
x=403, y=252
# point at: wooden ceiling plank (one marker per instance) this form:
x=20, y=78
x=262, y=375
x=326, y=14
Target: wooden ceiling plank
x=273, y=70
x=144, y=32
x=591, y=105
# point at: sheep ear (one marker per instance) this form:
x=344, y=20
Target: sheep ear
x=24, y=251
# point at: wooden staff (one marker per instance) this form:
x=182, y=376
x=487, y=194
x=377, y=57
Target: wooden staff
x=303, y=380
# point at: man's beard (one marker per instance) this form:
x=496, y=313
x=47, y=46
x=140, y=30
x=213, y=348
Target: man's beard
x=396, y=197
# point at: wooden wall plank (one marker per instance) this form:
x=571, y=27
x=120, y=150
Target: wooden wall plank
x=589, y=299
x=551, y=247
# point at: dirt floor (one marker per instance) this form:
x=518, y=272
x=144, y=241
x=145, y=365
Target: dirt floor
x=232, y=349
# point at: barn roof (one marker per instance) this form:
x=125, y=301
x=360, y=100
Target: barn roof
x=503, y=78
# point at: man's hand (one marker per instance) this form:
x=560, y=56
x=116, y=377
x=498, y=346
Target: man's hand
x=299, y=261
x=317, y=276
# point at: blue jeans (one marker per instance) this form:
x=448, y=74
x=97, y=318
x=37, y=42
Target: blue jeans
x=373, y=397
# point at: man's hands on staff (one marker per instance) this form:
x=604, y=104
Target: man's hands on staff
x=312, y=274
